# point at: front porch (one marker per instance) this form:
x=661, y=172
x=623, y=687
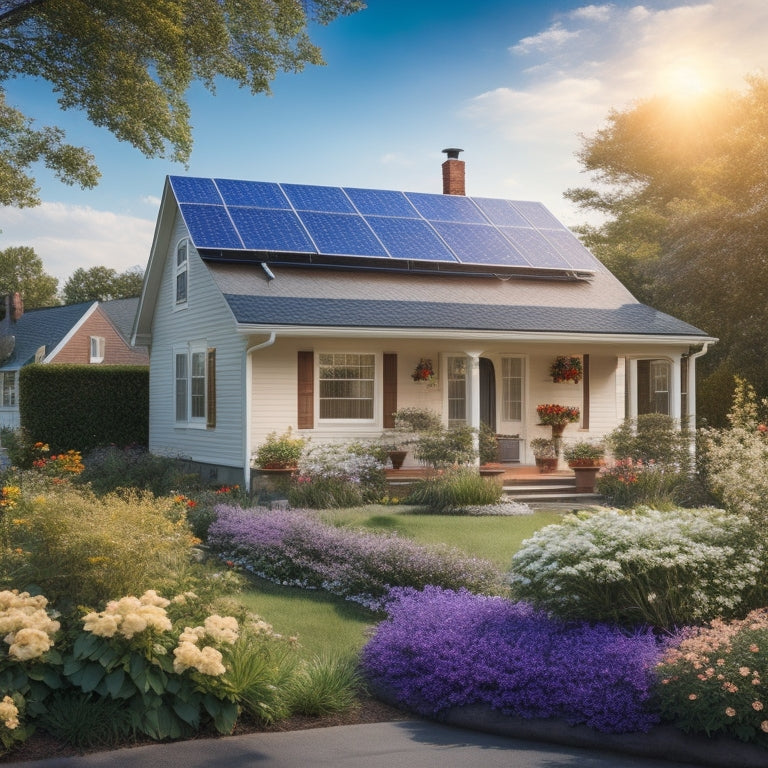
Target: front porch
x=522, y=483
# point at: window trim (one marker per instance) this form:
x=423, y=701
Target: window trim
x=179, y=270
x=100, y=348
x=14, y=389
x=188, y=352
x=446, y=362
x=375, y=398
x=504, y=388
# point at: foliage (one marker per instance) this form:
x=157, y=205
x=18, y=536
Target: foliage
x=423, y=371
x=295, y=547
x=566, y=368
x=628, y=483
x=111, y=403
x=338, y=475
x=21, y=269
x=129, y=66
x=101, y=284
x=550, y=413
x=664, y=569
x=440, y=649
x=544, y=448
x=735, y=461
x=712, y=679
x=651, y=437
x=85, y=720
x=455, y=488
x=417, y=420
x=488, y=444
x=583, y=449
x=279, y=451
x=324, y=685
x=681, y=192
x=445, y=446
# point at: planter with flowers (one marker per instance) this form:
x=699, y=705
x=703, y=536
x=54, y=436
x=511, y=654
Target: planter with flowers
x=558, y=417
x=566, y=368
x=545, y=453
x=585, y=459
x=424, y=371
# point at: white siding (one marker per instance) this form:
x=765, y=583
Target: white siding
x=207, y=319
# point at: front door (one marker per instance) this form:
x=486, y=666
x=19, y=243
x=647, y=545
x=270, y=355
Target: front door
x=487, y=393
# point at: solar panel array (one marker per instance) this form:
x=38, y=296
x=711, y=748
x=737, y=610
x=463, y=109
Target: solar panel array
x=295, y=220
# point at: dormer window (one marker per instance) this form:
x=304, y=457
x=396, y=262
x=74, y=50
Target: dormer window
x=182, y=272
x=97, y=349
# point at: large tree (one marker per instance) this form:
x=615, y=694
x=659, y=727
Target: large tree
x=21, y=270
x=684, y=191
x=101, y=284
x=128, y=66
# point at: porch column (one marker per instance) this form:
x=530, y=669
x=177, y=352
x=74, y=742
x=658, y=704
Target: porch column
x=675, y=390
x=631, y=384
x=473, y=404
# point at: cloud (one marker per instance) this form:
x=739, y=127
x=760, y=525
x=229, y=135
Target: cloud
x=553, y=37
x=68, y=237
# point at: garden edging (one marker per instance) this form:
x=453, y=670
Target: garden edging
x=663, y=742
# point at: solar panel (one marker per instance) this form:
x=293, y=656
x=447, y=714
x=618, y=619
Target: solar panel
x=327, y=199
x=276, y=221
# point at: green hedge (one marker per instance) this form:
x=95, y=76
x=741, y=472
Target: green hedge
x=81, y=407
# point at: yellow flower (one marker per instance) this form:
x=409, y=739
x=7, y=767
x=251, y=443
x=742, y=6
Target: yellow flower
x=9, y=713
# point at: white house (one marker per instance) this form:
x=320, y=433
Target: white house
x=267, y=306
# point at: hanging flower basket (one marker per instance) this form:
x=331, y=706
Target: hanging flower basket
x=566, y=368
x=557, y=415
x=423, y=371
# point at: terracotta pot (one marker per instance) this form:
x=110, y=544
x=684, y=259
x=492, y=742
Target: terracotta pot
x=397, y=458
x=573, y=463
x=585, y=478
x=546, y=465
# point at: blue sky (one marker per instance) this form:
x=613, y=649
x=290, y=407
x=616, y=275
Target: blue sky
x=512, y=83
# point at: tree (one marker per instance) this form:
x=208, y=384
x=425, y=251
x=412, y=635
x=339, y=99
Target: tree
x=101, y=284
x=128, y=66
x=21, y=269
x=684, y=189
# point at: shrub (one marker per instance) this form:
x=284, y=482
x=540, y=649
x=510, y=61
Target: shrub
x=583, y=450
x=279, y=451
x=488, y=444
x=457, y=488
x=293, y=547
x=665, y=569
x=630, y=483
x=323, y=686
x=440, y=649
x=711, y=679
x=417, y=420
x=85, y=721
x=651, y=437
x=444, y=447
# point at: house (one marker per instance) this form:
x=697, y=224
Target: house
x=267, y=306
x=89, y=333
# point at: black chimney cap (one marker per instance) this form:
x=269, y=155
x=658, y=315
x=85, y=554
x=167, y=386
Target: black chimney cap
x=453, y=153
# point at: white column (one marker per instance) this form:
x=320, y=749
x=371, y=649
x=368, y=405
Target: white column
x=473, y=403
x=631, y=383
x=675, y=390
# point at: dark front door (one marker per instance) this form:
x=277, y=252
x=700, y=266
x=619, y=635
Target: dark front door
x=487, y=393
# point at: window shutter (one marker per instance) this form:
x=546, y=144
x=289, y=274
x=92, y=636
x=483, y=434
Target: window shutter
x=210, y=399
x=390, y=390
x=585, y=392
x=305, y=418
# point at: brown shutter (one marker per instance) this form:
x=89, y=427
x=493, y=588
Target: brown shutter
x=210, y=395
x=585, y=392
x=305, y=418
x=390, y=390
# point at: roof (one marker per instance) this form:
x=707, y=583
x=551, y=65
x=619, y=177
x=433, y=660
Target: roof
x=43, y=329
x=272, y=279
x=122, y=313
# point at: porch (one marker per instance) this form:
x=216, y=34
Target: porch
x=522, y=483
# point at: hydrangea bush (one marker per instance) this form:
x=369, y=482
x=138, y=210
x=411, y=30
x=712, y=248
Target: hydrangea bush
x=440, y=649
x=662, y=568
x=714, y=679
x=293, y=547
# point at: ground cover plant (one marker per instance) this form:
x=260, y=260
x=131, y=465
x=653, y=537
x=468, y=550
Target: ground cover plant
x=455, y=490
x=660, y=568
x=440, y=649
x=296, y=547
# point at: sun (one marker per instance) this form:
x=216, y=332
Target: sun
x=685, y=82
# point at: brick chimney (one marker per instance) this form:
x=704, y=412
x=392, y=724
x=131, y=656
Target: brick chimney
x=12, y=308
x=453, y=173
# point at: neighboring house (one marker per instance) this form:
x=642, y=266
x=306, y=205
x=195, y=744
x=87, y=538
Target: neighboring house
x=91, y=332
x=267, y=306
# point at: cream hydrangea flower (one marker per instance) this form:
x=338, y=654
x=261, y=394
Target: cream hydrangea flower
x=206, y=660
x=223, y=629
x=211, y=662
x=28, y=643
x=9, y=713
x=25, y=624
x=130, y=615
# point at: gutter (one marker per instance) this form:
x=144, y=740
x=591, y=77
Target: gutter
x=248, y=388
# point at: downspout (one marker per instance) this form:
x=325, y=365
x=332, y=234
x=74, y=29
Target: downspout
x=692, y=393
x=248, y=387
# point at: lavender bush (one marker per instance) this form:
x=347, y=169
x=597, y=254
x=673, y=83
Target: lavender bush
x=440, y=649
x=293, y=547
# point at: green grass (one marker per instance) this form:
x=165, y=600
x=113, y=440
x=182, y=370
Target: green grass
x=325, y=623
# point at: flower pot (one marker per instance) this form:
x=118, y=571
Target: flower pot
x=546, y=465
x=585, y=478
x=397, y=458
x=574, y=463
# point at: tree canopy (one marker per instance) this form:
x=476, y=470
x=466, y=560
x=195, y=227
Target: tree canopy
x=128, y=66
x=101, y=284
x=684, y=191
x=21, y=270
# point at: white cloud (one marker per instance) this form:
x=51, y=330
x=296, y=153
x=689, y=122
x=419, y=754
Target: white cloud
x=593, y=12
x=67, y=237
x=553, y=37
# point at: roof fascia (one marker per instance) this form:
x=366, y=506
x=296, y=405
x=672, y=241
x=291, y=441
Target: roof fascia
x=442, y=333
x=72, y=331
x=141, y=335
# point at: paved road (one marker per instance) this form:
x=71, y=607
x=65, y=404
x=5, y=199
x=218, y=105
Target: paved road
x=404, y=744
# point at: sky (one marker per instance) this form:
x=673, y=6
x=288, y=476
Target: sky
x=515, y=84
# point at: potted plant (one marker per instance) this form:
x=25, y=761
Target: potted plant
x=279, y=452
x=566, y=368
x=584, y=453
x=545, y=453
x=558, y=417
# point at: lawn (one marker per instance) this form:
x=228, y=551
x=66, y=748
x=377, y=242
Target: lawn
x=325, y=623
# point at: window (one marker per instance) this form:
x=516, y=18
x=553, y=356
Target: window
x=8, y=382
x=347, y=386
x=97, y=349
x=456, y=378
x=653, y=378
x=194, y=403
x=512, y=388
x=182, y=272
